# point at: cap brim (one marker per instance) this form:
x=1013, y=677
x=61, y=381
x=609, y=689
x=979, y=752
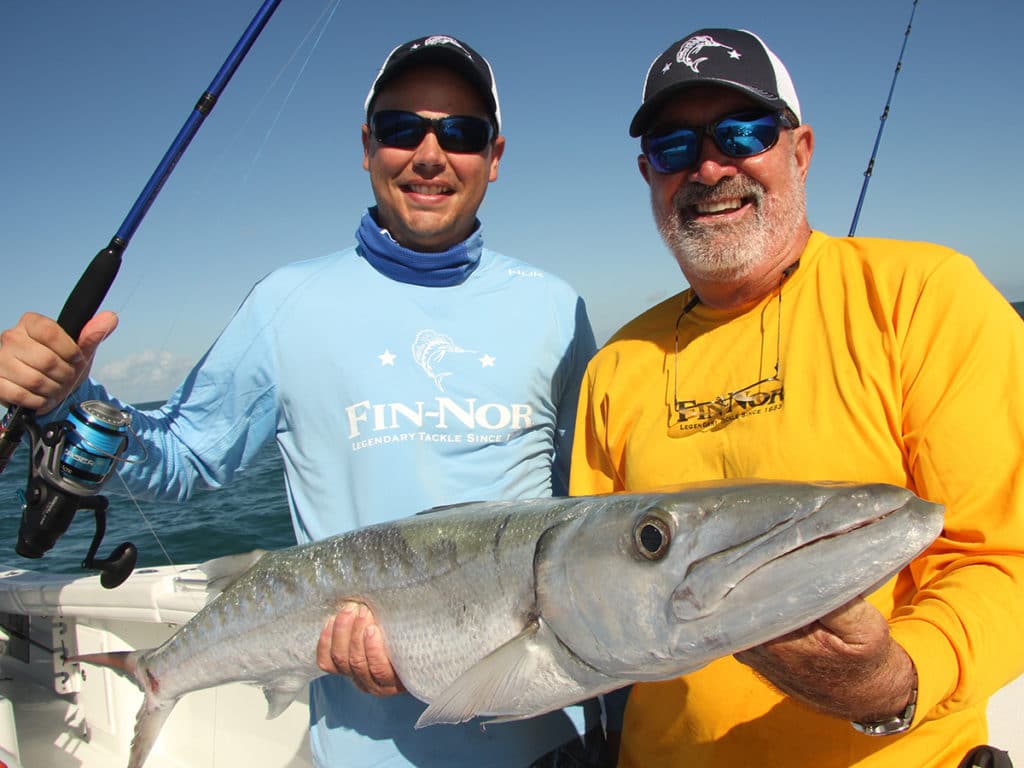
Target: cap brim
x=444, y=57
x=649, y=109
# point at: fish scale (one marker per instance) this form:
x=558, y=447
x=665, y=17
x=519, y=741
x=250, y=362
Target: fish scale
x=480, y=555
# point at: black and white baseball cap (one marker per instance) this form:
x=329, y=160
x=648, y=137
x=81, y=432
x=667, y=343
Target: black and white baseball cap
x=733, y=58
x=448, y=52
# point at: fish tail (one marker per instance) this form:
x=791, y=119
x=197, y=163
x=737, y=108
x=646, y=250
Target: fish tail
x=148, y=723
x=154, y=710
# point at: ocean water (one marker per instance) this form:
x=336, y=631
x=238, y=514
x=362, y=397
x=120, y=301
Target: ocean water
x=252, y=512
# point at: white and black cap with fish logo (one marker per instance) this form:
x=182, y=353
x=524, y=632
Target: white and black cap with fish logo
x=733, y=58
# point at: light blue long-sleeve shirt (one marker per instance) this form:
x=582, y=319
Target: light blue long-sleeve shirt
x=385, y=397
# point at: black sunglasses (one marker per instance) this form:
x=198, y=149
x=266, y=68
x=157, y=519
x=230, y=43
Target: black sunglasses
x=743, y=134
x=455, y=133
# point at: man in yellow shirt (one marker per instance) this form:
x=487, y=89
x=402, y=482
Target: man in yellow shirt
x=795, y=355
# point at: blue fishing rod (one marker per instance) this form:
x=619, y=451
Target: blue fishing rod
x=881, y=125
x=71, y=459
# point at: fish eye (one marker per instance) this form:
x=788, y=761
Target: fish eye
x=652, y=536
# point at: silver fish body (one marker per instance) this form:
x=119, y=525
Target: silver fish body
x=513, y=609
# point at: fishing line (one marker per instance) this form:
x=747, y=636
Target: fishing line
x=320, y=23
x=319, y=26
x=323, y=22
x=146, y=520
x=64, y=478
x=295, y=82
x=235, y=139
x=881, y=126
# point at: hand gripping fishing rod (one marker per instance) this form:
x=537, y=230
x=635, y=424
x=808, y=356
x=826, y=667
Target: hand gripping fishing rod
x=71, y=459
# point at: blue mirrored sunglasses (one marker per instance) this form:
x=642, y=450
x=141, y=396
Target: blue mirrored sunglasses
x=743, y=134
x=455, y=133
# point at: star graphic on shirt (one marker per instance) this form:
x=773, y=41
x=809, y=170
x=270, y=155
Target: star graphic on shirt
x=388, y=358
x=734, y=54
x=487, y=361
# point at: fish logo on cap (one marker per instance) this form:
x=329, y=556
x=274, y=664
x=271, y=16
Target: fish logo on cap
x=692, y=48
x=443, y=40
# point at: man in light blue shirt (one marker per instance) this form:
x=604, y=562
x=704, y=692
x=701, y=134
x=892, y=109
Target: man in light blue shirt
x=414, y=369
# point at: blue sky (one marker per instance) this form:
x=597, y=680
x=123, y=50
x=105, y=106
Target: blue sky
x=95, y=90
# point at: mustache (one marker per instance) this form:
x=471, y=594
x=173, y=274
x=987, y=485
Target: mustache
x=733, y=186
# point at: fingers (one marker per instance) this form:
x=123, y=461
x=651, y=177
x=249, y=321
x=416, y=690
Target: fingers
x=95, y=331
x=37, y=360
x=45, y=333
x=337, y=634
x=378, y=664
x=352, y=644
x=40, y=364
x=857, y=624
x=854, y=628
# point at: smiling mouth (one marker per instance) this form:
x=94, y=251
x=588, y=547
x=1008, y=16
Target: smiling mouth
x=697, y=202
x=427, y=189
x=718, y=207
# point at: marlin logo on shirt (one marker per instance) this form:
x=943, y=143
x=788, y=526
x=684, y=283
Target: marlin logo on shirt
x=429, y=350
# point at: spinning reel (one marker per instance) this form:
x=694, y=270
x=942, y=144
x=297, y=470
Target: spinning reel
x=70, y=460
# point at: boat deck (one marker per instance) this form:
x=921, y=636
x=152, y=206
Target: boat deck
x=226, y=728
x=58, y=715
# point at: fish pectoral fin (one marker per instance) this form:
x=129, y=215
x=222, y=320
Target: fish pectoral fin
x=222, y=572
x=496, y=684
x=281, y=692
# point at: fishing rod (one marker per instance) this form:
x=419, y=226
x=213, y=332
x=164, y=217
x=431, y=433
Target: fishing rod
x=71, y=459
x=881, y=126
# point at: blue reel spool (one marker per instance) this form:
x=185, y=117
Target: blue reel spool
x=98, y=436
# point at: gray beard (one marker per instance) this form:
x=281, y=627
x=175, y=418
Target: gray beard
x=708, y=252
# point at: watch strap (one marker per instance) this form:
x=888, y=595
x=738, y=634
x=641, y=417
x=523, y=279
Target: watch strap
x=890, y=726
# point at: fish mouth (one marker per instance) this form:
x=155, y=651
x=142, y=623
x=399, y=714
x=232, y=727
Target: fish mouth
x=797, y=557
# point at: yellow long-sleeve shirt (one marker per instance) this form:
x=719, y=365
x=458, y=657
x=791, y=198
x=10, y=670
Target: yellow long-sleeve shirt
x=900, y=363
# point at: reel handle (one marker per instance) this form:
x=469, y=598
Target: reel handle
x=117, y=567
x=121, y=562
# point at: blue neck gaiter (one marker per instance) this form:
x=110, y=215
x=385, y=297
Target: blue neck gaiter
x=444, y=268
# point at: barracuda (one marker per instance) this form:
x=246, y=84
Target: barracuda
x=513, y=609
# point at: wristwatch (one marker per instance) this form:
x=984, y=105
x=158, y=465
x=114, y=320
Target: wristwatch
x=891, y=725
